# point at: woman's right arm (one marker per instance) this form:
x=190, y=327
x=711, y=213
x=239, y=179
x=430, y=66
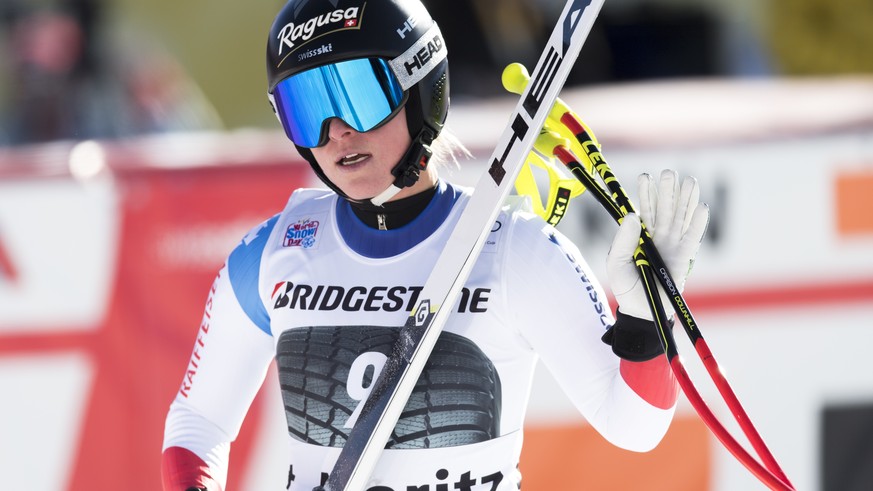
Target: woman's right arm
x=232, y=352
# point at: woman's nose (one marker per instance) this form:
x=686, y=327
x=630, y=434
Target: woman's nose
x=338, y=129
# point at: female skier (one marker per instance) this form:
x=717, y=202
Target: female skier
x=361, y=88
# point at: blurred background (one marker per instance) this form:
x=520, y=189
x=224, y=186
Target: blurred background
x=137, y=147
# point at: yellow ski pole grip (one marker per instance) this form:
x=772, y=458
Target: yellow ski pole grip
x=549, y=140
x=515, y=78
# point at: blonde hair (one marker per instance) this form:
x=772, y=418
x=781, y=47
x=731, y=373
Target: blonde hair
x=447, y=148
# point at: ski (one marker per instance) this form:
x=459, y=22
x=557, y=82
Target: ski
x=419, y=335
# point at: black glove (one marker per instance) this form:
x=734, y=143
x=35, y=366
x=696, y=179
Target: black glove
x=634, y=339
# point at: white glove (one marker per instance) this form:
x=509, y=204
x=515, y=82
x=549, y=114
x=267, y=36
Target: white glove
x=676, y=220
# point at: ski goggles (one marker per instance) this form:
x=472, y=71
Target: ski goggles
x=364, y=93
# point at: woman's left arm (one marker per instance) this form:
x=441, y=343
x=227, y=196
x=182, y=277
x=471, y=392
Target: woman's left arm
x=562, y=311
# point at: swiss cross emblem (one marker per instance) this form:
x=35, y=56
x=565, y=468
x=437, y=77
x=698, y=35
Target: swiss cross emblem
x=351, y=22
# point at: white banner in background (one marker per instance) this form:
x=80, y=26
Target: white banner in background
x=56, y=261
x=41, y=429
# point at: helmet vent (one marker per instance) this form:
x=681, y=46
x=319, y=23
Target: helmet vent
x=439, y=93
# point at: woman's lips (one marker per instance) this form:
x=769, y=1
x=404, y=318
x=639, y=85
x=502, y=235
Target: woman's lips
x=352, y=159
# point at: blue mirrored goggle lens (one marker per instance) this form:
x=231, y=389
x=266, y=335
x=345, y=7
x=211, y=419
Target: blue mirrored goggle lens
x=363, y=93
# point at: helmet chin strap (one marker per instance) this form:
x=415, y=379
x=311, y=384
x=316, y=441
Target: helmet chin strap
x=410, y=167
x=381, y=198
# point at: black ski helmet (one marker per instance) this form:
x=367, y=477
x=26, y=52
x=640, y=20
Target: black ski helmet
x=310, y=33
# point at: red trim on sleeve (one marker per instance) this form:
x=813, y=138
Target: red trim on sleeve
x=652, y=380
x=182, y=469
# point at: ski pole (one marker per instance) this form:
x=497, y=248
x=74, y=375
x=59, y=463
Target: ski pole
x=564, y=122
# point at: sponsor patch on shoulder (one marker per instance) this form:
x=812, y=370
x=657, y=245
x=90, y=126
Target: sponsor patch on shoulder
x=302, y=233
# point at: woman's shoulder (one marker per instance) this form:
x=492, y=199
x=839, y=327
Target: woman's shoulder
x=310, y=196
x=301, y=200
